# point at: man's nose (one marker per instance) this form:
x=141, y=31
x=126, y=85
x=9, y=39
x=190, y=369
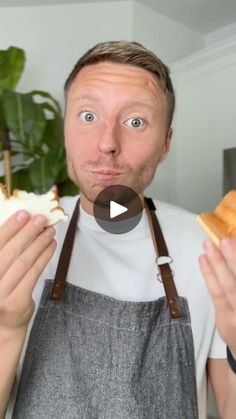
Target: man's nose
x=109, y=139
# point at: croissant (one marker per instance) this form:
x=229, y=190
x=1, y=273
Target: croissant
x=46, y=204
x=222, y=221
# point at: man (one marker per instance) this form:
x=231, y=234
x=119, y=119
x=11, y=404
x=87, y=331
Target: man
x=111, y=346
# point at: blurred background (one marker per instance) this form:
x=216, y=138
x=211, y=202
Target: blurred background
x=196, y=38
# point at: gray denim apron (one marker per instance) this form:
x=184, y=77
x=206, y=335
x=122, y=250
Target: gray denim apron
x=91, y=356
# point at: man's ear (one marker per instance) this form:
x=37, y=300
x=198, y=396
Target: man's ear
x=167, y=144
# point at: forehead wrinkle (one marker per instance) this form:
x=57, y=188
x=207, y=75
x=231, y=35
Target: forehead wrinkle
x=99, y=81
x=139, y=103
x=128, y=104
x=86, y=96
x=116, y=73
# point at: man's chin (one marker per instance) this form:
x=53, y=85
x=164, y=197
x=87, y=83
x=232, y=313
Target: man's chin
x=91, y=193
x=92, y=190
x=118, y=195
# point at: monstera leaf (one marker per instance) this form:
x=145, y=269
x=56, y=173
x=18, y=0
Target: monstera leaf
x=24, y=118
x=34, y=125
x=12, y=63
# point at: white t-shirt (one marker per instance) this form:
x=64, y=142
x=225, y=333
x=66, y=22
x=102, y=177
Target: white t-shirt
x=123, y=266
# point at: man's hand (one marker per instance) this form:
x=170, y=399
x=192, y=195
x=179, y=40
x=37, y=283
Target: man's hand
x=218, y=266
x=26, y=247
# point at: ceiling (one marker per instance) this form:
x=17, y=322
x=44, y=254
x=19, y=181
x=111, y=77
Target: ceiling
x=203, y=16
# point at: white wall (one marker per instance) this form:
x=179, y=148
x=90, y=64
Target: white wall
x=171, y=41
x=55, y=36
x=168, y=38
x=205, y=124
x=221, y=34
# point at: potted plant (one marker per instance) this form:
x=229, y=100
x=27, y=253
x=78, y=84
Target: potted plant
x=31, y=129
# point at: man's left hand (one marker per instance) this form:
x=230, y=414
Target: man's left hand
x=218, y=266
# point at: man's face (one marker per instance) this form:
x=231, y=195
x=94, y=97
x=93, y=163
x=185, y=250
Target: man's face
x=115, y=128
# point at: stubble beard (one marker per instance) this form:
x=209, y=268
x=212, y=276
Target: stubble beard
x=140, y=182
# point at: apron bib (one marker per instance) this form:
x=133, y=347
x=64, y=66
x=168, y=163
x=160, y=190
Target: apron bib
x=91, y=356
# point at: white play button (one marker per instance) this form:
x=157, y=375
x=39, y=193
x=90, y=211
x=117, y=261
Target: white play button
x=116, y=209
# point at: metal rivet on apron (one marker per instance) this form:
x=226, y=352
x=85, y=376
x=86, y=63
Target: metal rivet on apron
x=174, y=312
x=162, y=260
x=172, y=300
x=55, y=295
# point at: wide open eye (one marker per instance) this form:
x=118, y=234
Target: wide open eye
x=135, y=122
x=87, y=116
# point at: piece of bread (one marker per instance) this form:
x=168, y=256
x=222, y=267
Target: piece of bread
x=222, y=221
x=46, y=204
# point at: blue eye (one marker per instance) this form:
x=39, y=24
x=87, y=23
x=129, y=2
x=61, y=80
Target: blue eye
x=136, y=122
x=87, y=116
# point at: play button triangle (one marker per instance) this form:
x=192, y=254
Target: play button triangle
x=116, y=209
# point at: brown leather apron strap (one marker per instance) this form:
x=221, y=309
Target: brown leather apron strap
x=163, y=267
x=64, y=260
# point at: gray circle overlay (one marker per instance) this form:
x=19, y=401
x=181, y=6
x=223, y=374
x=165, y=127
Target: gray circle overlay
x=122, y=195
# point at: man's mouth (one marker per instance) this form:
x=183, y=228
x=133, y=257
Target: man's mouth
x=105, y=174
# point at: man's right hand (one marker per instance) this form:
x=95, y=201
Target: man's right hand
x=26, y=246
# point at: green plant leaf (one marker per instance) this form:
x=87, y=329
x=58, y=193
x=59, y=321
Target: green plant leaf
x=24, y=118
x=2, y=180
x=12, y=62
x=53, y=135
x=35, y=123
x=48, y=107
x=67, y=188
x=62, y=174
x=21, y=180
x=43, y=172
x=47, y=95
x=2, y=117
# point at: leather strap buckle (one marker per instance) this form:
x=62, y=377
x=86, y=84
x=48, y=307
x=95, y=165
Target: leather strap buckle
x=162, y=260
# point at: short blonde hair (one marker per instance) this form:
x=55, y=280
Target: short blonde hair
x=133, y=53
